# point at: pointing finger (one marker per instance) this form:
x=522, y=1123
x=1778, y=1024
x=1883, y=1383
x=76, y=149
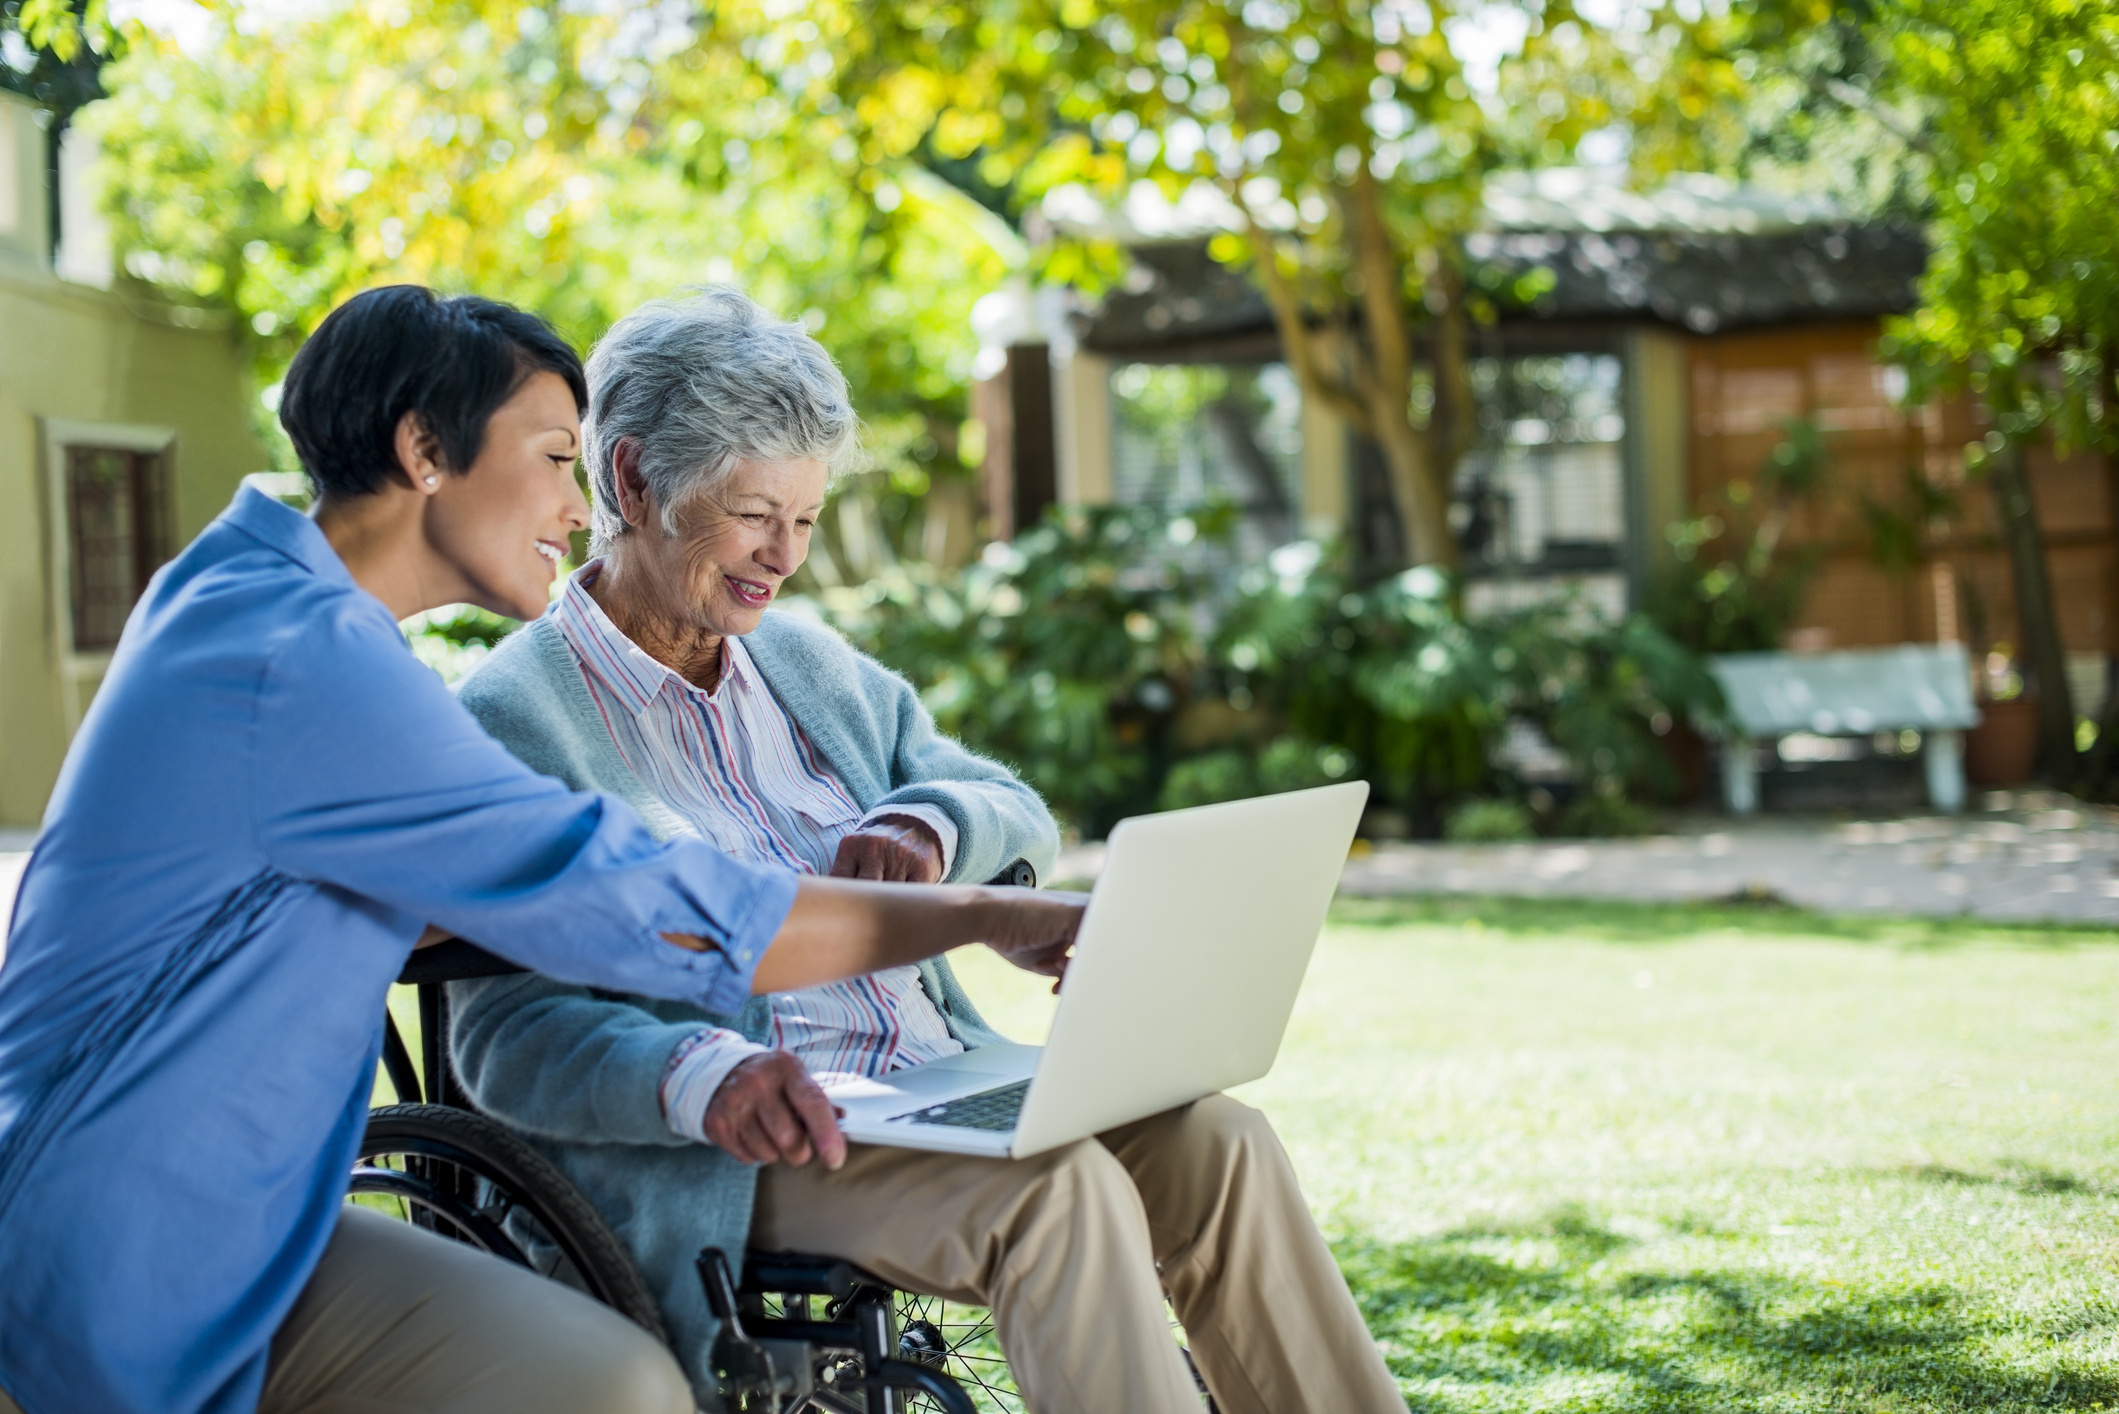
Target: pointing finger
x=820, y=1117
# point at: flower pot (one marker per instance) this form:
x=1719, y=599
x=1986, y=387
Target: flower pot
x=2003, y=748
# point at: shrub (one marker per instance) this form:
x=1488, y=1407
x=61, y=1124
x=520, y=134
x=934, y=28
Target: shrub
x=1292, y=763
x=1733, y=583
x=1208, y=780
x=1421, y=695
x=454, y=639
x=1605, y=815
x=1488, y=822
x=1094, y=659
x=1067, y=655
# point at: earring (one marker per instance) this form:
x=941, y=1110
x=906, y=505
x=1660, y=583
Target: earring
x=430, y=481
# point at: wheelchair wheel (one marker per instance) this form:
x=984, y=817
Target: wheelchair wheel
x=462, y=1176
x=957, y=1340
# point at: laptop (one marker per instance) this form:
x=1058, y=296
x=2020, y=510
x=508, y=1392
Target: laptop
x=1183, y=977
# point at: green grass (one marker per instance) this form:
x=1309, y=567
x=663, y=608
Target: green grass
x=1602, y=1157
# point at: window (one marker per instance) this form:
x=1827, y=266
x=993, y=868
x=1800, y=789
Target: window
x=1541, y=498
x=1187, y=435
x=117, y=535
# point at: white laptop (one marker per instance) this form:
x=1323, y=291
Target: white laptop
x=1183, y=977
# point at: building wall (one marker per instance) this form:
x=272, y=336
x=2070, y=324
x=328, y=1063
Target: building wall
x=1659, y=427
x=79, y=355
x=1744, y=389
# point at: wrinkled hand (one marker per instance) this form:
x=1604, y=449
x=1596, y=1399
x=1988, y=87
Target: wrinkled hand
x=1035, y=928
x=768, y=1108
x=895, y=849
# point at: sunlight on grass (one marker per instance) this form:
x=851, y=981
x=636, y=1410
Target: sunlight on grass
x=1016, y=1003
x=404, y=1009
x=1603, y=1157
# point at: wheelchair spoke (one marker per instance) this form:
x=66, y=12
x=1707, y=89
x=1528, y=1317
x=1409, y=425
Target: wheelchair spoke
x=970, y=1352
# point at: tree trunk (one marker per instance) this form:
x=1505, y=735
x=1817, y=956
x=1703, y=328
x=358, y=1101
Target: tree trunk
x=2037, y=623
x=1366, y=377
x=1423, y=505
x=1414, y=456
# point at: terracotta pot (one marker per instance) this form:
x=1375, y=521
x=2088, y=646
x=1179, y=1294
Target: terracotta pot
x=2003, y=748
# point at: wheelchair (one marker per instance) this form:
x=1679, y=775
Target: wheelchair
x=799, y=1332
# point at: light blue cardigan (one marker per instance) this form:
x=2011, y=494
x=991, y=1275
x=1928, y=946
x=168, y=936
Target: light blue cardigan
x=577, y=1071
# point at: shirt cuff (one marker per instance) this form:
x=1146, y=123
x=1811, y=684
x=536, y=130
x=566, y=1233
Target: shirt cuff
x=695, y=1071
x=933, y=817
x=745, y=915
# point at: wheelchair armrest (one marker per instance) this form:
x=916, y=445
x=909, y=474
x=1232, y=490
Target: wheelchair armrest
x=1018, y=875
x=457, y=960
x=800, y=1274
x=453, y=961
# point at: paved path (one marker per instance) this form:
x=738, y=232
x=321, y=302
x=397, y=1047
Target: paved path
x=2028, y=858
x=2035, y=858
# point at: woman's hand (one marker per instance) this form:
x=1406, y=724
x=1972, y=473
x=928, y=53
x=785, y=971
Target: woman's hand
x=768, y=1108
x=896, y=849
x=1035, y=929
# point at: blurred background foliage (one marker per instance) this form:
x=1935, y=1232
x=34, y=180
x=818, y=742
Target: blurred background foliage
x=874, y=169
x=1089, y=657
x=575, y=162
x=1733, y=584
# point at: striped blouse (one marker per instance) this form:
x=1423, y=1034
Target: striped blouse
x=736, y=769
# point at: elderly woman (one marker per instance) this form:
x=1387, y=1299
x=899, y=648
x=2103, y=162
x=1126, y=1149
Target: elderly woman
x=658, y=676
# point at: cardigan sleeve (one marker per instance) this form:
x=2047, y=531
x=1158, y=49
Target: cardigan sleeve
x=556, y=1061
x=999, y=818
x=561, y=1062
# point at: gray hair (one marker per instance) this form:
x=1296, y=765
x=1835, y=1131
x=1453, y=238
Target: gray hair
x=700, y=384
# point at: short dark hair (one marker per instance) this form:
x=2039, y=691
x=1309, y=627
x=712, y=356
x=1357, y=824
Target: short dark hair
x=400, y=349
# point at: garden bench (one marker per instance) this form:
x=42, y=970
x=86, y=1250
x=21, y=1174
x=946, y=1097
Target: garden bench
x=1927, y=687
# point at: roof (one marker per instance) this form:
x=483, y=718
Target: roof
x=1705, y=283
x=1176, y=293
x=1601, y=199
x=1699, y=253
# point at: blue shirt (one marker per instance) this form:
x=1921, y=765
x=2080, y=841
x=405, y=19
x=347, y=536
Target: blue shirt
x=268, y=800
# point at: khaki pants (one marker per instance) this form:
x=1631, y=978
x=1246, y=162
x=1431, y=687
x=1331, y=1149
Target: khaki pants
x=1074, y=1250
x=396, y=1320
x=400, y=1320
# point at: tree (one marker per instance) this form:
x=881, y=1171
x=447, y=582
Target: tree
x=50, y=56
x=1992, y=122
x=2020, y=304
x=1344, y=138
x=575, y=162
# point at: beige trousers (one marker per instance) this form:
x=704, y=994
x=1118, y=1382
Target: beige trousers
x=399, y=1320
x=396, y=1320
x=1075, y=1249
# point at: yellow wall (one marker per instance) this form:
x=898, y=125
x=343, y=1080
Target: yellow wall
x=81, y=355
x=1658, y=426
x=1081, y=429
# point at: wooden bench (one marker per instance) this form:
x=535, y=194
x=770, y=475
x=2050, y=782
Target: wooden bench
x=1927, y=687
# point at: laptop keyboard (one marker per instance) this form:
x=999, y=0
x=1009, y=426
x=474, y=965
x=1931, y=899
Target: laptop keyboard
x=994, y=1109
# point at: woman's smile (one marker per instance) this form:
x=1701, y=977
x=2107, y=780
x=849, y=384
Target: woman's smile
x=754, y=593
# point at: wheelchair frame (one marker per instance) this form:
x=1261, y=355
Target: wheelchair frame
x=853, y=1357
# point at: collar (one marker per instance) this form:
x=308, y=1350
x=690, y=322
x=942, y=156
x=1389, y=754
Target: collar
x=281, y=527
x=620, y=664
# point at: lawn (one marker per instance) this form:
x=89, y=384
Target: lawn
x=1596, y=1157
